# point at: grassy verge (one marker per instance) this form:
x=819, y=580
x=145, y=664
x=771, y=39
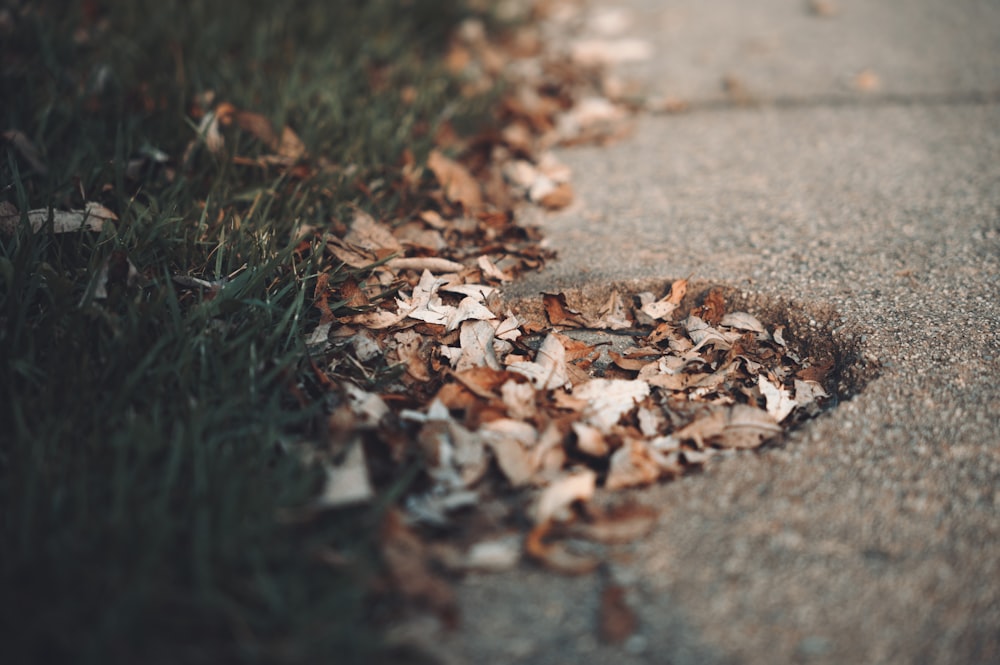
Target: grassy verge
x=141, y=480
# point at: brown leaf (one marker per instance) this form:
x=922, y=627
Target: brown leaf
x=816, y=372
x=713, y=309
x=484, y=381
x=258, y=126
x=632, y=465
x=559, y=312
x=407, y=561
x=560, y=197
x=372, y=236
x=459, y=185
x=556, y=556
x=617, y=620
x=561, y=493
x=622, y=524
x=290, y=146
x=91, y=218
x=26, y=149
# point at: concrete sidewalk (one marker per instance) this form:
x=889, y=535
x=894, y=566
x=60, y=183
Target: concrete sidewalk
x=873, y=206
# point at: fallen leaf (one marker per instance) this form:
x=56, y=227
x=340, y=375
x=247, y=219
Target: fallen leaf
x=548, y=371
x=622, y=524
x=743, y=321
x=609, y=399
x=406, y=560
x=590, y=440
x=290, y=146
x=370, y=235
x=476, y=339
x=26, y=149
x=494, y=556
x=469, y=308
x=258, y=126
x=867, y=81
x=713, y=309
x=515, y=462
x=779, y=401
x=603, y=52
x=558, y=198
x=459, y=185
x=91, y=218
x=433, y=264
x=347, y=483
x=559, y=312
x=666, y=306
x=556, y=556
x=490, y=270
x=617, y=620
x=632, y=465
x=746, y=427
x=561, y=493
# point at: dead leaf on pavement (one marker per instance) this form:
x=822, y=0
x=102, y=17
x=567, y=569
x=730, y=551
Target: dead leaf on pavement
x=617, y=620
x=459, y=185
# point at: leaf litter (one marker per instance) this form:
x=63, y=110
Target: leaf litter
x=515, y=425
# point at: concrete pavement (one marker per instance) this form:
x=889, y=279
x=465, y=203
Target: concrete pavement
x=869, y=213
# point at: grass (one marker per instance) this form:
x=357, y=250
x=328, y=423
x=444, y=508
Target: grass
x=141, y=474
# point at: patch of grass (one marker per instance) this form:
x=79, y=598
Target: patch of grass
x=142, y=481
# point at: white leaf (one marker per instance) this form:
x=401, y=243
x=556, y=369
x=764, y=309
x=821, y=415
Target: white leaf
x=779, y=401
x=563, y=492
x=347, y=483
x=476, y=339
x=467, y=309
x=548, y=371
x=609, y=399
x=743, y=321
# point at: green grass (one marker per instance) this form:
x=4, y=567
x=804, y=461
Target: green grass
x=142, y=482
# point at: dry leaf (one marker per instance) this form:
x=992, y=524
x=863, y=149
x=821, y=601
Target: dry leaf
x=747, y=427
x=603, y=52
x=370, y=235
x=257, y=125
x=495, y=555
x=469, y=308
x=779, y=401
x=290, y=146
x=548, y=371
x=609, y=399
x=559, y=312
x=743, y=321
x=561, y=493
x=347, y=483
x=406, y=559
x=490, y=270
x=590, y=440
x=432, y=264
x=623, y=524
x=556, y=556
x=632, y=465
x=26, y=149
x=516, y=463
x=867, y=81
x=91, y=218
x=617, y=620
x=459, y=185
x=476, y=339
x=663, y=308
x=558, y=197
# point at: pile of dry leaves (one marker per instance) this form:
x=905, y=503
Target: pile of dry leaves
x=520, y=419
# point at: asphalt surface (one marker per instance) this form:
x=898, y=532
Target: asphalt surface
x=867, y=212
